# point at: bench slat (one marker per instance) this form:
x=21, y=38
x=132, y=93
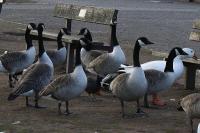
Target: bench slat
x=196, y=24
x=104, y=16
x=194, y=36
x=53, y=36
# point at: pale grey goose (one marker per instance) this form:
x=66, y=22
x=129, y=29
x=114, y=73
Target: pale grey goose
x=58, y=56
x=160, y=81
x=108, y=62
x=88, y=55
x=69, y=86
x=131, y=86
x=191, y=105
x=14, y=62
x=37, y=76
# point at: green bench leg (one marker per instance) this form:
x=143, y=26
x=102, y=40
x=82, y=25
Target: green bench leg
x=190, y=78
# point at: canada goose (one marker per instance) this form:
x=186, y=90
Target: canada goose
x=93, y=85
x=160, y=66
x=69, y=86
x=58, y=56
x=160, y=81
x=131, y=86
x=14, y=62
x=108, y=62
x=87, y=55
x=191, y=105
x=36, y=76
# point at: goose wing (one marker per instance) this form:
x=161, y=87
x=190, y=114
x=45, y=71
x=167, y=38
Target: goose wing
x=190, y=100
x=94, y=53
x=25, y=72
x=99, y=64
x=58, y=83
x=13, y=59
x=154, y=77
x=90, y=56
x=35, y=79
x=119, y=83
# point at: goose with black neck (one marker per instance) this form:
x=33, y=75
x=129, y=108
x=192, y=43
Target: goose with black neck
x=58, y=56
x=160, y=81
x=132, y=86
x=69, y=86
x=15, y=62
x=36, y=76
x=108, y=62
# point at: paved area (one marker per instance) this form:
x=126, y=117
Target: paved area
x=166, y=22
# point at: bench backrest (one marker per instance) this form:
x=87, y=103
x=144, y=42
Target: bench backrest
x=195, y=34
x=104, y=16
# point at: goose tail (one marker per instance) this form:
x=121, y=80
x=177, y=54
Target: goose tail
x=12, y=97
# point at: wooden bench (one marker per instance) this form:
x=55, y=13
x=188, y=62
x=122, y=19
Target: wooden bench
x=103, y=16
x=192, y=65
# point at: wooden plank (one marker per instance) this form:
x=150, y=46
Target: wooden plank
x=53, y=36
x=196, y=24
x=90, y=14
x=191, y=62
x=194, y=36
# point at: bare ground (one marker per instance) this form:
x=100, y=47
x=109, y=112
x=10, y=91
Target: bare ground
x=100, y=116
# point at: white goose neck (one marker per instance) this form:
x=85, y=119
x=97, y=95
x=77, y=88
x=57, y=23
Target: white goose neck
x=31, y=51
x=45, y=59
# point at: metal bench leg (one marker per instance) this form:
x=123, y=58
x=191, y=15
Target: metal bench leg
x=190, y=78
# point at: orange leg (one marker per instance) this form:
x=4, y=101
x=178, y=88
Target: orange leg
x=156, y=100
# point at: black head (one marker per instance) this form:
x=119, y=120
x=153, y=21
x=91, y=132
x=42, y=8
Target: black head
x=83, y=31
x=31, y=26
x=65, y=31
x=144, y=41
x=40, y=27
x=85, y=43
x=179, y=51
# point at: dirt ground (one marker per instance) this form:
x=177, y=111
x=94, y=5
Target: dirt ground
x=102, y=116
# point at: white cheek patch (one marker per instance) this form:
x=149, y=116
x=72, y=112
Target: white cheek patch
x=62, y=31
x=177, y=53
x=30, y=27
x=82, y=43
x=85, y=32
x=141, y=43
x=43, y=26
